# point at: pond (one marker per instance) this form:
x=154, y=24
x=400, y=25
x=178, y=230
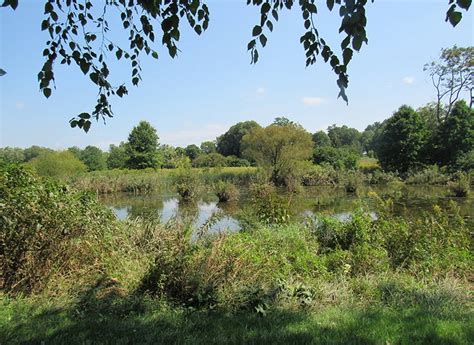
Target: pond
x=410, y=201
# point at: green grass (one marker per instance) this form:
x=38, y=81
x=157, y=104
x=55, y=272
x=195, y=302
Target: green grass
x=149, y=322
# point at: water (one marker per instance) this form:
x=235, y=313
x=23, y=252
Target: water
x=410, y=201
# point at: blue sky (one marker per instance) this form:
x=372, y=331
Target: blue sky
x=211, y=84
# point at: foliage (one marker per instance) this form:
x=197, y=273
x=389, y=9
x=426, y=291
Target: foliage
x=192, y=151
x=210, y=160
x=460, y=185
x=344, y=137
x=338, y=158
x=451, y=75
x=208, y=147
x=93, y=158
x=455, y=136
x=142, y=147
x=186, y=184
x=226, y=191
x=57, y=164
x=402, y=142
x=12, y=155
x=430, y=175
x=117, y=157
x=229, y=143
x=353, y=180
x=34, y=151
x=320, y=139
x=278, y=148
x=41, y=224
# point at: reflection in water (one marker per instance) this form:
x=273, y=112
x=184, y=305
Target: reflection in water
x=409, y=201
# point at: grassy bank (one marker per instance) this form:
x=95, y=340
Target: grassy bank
x=73, y=273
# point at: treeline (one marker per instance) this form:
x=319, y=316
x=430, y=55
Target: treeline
x=406, y=142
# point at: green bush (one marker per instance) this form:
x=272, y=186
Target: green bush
x=353, y=181
x=429, y=175
x=226, y=191
x=43, y=224
x=186, y=183
x=60, y=165
x=459, y=185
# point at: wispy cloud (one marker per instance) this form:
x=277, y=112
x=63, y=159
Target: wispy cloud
x=193, y=136
x=409, y=80
x=260, y=91
x=313, y=100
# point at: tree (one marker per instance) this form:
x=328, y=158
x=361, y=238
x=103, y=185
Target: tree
x=142, y=147
x=13, y=155
x=229, y=144
x=192, y=151
x=278, y=148
x=81, y=36
x=208, y=147
x=117, y=158
x=60, y=165
x=402, y=141
x=94, y=158
x=338, y=158
x=344, y=136
x=451, y=75
x=210, y=160
x=455, y=137
x=321, y=139
x=34, y=151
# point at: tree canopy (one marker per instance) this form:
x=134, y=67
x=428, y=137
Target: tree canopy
x=80, y=35
x=229, y=143
x=142, y=147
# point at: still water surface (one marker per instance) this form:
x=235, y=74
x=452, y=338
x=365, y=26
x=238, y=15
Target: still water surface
x=410, y=201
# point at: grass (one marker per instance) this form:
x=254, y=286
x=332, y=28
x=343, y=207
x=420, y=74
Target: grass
x=145, y=321
x=368, y=163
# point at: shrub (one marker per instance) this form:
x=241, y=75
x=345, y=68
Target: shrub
x=338, y=158
x=226, y=191
x=459, y=185
x=60, y=165
x=186, y=183
x=42, y=223
x=429, y=175
x=319, y=175
x=353, y=181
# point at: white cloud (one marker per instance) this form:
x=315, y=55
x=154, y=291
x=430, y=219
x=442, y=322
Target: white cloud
x=260, y=90
x=409, y=80
x=195, y=135
x=313, y=100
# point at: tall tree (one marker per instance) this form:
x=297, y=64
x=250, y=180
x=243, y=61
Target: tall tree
x=81, y=36
x=229, y=144
x=344, y=136
x=142, y=147
x=192, y=151
x=321, y=139
x=93, y=158
x=402, y=141
x=455, y=137
x=278, y=148
x=451, y=75
x=208, y=147
x=117, y=158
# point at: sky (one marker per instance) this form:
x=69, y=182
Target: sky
x=211, y=85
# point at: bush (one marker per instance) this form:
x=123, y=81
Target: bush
x=320, y=175
x=338, y=158
x=459, y=185
x=186, y=184
x=353, y=181
x=60, y=165
x=226, y=191
x=42, y=225
x=429, y=175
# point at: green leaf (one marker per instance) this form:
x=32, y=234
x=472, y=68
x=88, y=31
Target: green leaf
x=84, y=116
x=84, y=66
x=347, y=55
x=330, y=4
x=12, y=3
x=263, y=40
x=464, y=4
x=155, y=55
x=357, y=43
x=275, y=14
x=257, y=30
x=455, y=17
x=118, y=54
x=265, y=8
x=47, y=92
x=86, y=126
x=251, y=44
x=2, y=72
x=44, y=25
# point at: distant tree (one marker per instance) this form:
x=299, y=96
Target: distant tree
x=344, y=136
x=60, y=165
x=210, y=160
x=278, y=148
x=455, y=137
x=142, y=147
x=34, y=151
x=93, y=158
x=229, y=144
x=452, y=75
x=338, y=158
x=403, y=140
x=321, y=139
x=233, y=161
x=117, y=158
x=208, y=147
x=76, y=151
x=12, y=155
x=283, y=121
x=192, y=151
